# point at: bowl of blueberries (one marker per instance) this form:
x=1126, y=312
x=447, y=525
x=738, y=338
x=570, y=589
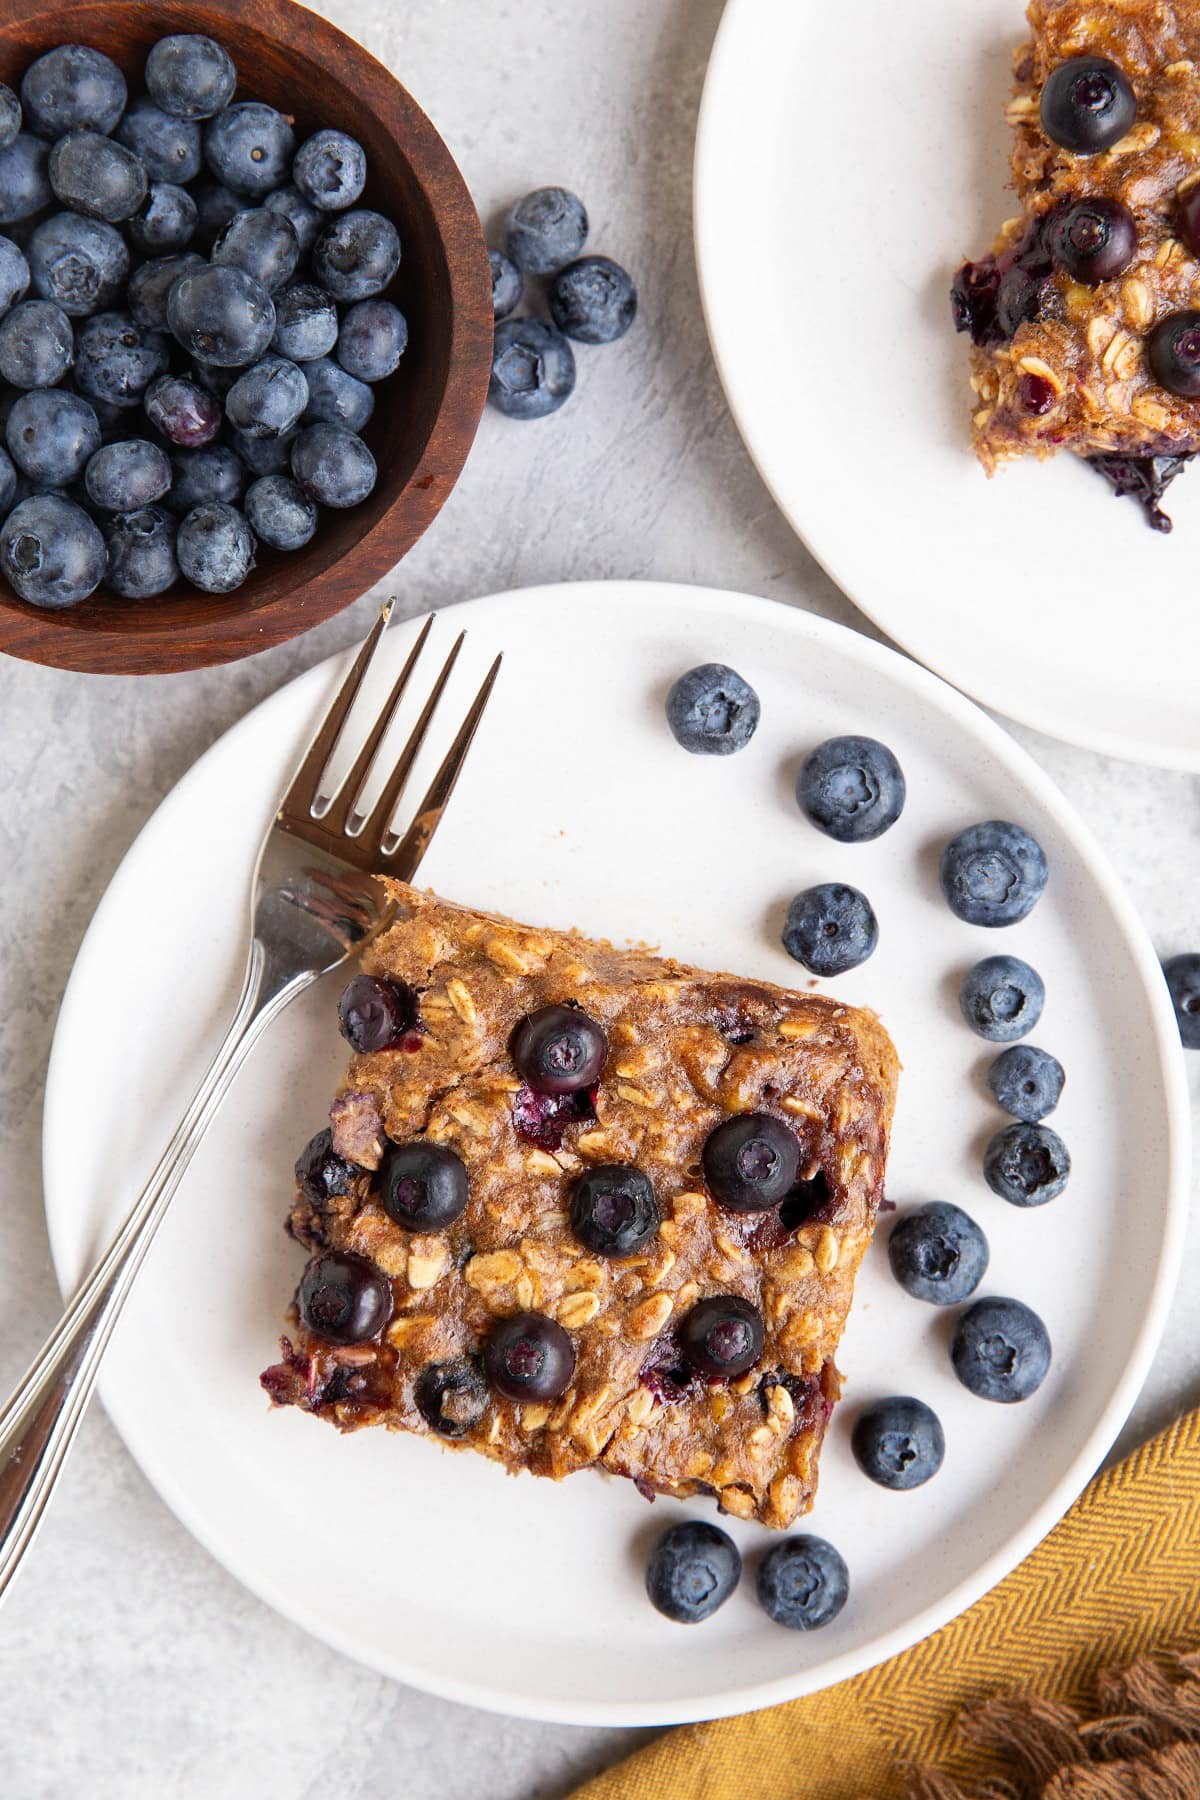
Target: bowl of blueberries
x=245, y=329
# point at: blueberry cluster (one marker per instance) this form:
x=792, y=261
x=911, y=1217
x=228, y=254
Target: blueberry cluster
x=191, y=321
x=590, y=300
x=802, y=1582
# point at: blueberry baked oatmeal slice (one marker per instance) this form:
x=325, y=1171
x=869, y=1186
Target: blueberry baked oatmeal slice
x=1085, y=316
x=581, y=1207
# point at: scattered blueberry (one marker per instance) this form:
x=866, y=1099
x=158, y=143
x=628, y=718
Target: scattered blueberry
x=81, y=264
x=116, y=359
x=305, y=220
x=712, y=711
x=168, y=148
x=222, y=315
x=375, y=1013
x=279, y=512
x=546, y=230
x=1173, y=348
x=330, y=170
x=722, y=1336
x=508, y=284
x=127, y=475
x=344, y=1298
x=533, y=369
x=10, y=116
x=95, y=175
x=335, y=398
x=852, y=788
x=613, y=1209
x=141, y=553
x=751, y=1162
x=1027, y=1082
x=214, y=473
x=50, y=552
x=249, y=147
x=214, y=547
x=451, y=1397
x=306, y=325
x=72, y=88
x=14, y=274
x=529, y=1357
x=993, y=874
x=899, y=1442
x=190, y=77
x=37, y=345
x=356, y=255
x=803, y=1583
x=262, y=243
x=1002, y=998
x=269, y=399
x=593, y=300
x=1183, y=982
x=1094, y=240
x=150, y=286
x=938, y=1253
x=692, y=1570
x=51, y=433
x=559, y=1050
x=372, y=339
x=165, y=221
x=1027, y=1165
x=423, y=1186
x=830, y=928
x=24, y=178
x=186, y=413
x=1000, y=1350
x=1087, y=105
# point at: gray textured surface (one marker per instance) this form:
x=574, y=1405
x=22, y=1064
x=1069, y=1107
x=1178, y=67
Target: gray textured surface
x=133, y=1666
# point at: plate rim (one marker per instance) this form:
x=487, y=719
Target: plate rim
x=492, y=1696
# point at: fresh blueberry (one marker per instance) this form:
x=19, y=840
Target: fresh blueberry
x=51, y=434
x=37, y=346
x=268, y=399
x=334, y=467
x=372, y=340
x=221, y=315
x=1026, y=1165
x=203, y=476
x=10, y=116
x=451, y=1397
x=1002, y=998
x=280, y=513
x=305, y=220
x=330, y=170
x=306, y=325
x=141, y=553
x=613, y=1209
x=14, y=274
x=751, y=1162
x=249, y=147
x=1173, y=348
x=321, y=1174
x=24, y=178
x=356, y=255
x=127, y=475
x=81, y=264
x=803, y=1583
x=993, y=874
x=344, y=1298
x=190, y=77
x=95, y=175
x=116, y=359
x=546, y=230
x=51, y=553
x=374, y=1013
x=215, y=206
x=508, y=284
x=1183, y=983
x=852, y=788
x=1087, y=105
x=8, y=483
x=215, y=548
x=938, y=1253
x=168, y=148
x=165, y=221
x=1094, y=240
x=335, y=398
x=269, y=456
x=559, y=1050
x=262, y=243
x=1000, y=1350
x=593, y=300
x=151, y=284
x=186, y=413
x=423, y=1186
x=722, y=1336
x=1027, y=1082
x=529, y=1357
x=899, y=1442
x=533, y=369
x=830, y=928
x=692, y=1570
x=72, y=88
x=712, y=711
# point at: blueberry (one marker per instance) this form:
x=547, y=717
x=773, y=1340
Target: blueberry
x=51, y=434
x=335, y=398
x=14, y=274
x=190, y=77
x=37, y=346
x=141, y=553
x=24, y=178
x=356, y=255
x=712, y=711
x=215, y=206
x=334, y=467
x=268, y=399
x=201, y=476
x=1094, y=240
x=722, y=1336
x=321, y=1174
x=1027, y=1082
x=374, y=1013
x=692, y=1570
x=71, y=88
x=116, y=359
x=938, y=1253
x=168, y=148
x=559, y=1050
x=1173, y=348
x=305, y=220
x=280, y=514
x=372, y=340
x=451, y=1397
x=185, y=413
x=993, y=874
x=1183, y=983
x=127, y=475
x=830, y=928
x=751, y=1162
x=1087, y=105
x=1000, y=1350
x=508, y=284
x=533, y=369
x=306, y=325
x=166, y=220
x=344, y=1298
x=330, y=170
x=10, y=116
x=270, y=456
x=51, y=553
x=529, y=1357
x=8, y=483
x=593, y=300
x=97, y=176
x=81, y=264
x=546, y=230
x=215, y=547
x=613, y=1209
x=249, y=147
x=852, y=788
x=217, y=381
x=423, y=1186
x=1002, y=998
x=262, y=243
x=899, y=1442
x=151, y=284
x=803, y=1583
x=1027, y=1165
x=221, y=315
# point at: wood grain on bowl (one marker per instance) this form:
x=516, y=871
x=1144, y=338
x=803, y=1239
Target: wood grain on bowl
x=426, y=414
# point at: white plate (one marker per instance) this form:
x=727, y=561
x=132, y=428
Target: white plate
x=577, y=808
x=847, y=158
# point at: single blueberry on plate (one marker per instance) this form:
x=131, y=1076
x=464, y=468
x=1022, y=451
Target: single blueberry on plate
x=81, y=264
x=529, y=1357
x=1173, y=349
x=1027, y=1082
x=335, y=398
x=1027, y=1165
x=593, y=300
x=803, y=1583
x=72, y=87
x=95, y=175
x=356, y=255
x=330, y=170
x=830, y=928
x=186, y=413
x=201, y=476
x=508, y=284
x=1002, y=998
x=712, y=711
x=938, y=1253
x=10, y=116
x=899, y=1442
x=306, y=326
x=423, y=1186
x=559, y=1050
x=127, y=475
x=14, y=274
x=262, y=243
x=279, y=511
x=116, y=359
x=333, y=466
x=214, y=547
x=37, y=345
x=190, y=76
x=51, y=553
x=222, y=315
x=1183, y=982
x=268, y=399
x=533, y=369
x=751, y=1162
x=1087, y=105
x=24, y=178
x=141, y=553
x=692, y=1570
x=613, y=1209
x=305, y=220
x=451, y=1397
x=852, y=788
x=344, y=1298
x=373, y=338
x=150, y=285
x=374, y=1013
x=165, y=221
x=722, y=1336
x=249, y=147
x=546, y=230
x=51, y=433
x=1000, y=1350
x=993, y=873
x=168, y=148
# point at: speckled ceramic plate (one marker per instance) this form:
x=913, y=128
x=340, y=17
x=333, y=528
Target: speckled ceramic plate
x=578, y=808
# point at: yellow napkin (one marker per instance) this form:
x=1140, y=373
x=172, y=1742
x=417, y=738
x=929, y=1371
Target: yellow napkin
x=1118, y=1577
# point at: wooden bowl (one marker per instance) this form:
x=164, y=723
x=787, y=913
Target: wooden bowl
x=425, y=415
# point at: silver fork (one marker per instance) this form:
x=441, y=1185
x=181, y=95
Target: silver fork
x=314, y=901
